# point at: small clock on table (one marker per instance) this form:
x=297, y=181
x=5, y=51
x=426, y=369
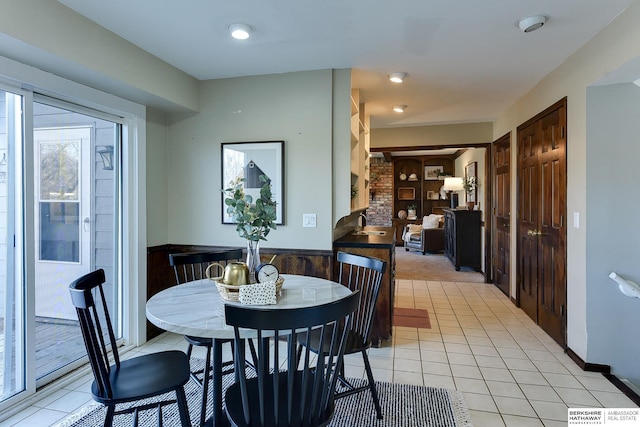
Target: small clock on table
x=267, y=273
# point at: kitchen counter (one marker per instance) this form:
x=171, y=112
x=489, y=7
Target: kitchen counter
x=352, y=240
x=382, y=246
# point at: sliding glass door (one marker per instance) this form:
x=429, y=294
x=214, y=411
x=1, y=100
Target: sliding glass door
x=59, y=219
x=75, y=222
x=12, y=292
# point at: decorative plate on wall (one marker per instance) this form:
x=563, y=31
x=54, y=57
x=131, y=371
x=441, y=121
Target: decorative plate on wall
x=402, y=214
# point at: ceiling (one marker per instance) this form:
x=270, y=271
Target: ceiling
x=467, y=61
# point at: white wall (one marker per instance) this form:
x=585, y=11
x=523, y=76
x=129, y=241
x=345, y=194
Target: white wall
x=52, y=37
x=294, y=107
x=157, y=179
x=613, y=126
x=475, y=155
x=610, y=49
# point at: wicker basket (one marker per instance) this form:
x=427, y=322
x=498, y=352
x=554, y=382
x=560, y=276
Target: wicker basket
x=231, y=292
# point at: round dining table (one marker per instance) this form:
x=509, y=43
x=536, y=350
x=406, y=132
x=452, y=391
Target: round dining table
x=196, y=308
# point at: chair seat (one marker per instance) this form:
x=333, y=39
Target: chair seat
x=199, y=341
x=235, y=411
x=139, y=377
x=355, y=342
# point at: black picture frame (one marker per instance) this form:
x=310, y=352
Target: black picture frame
x=249, y=160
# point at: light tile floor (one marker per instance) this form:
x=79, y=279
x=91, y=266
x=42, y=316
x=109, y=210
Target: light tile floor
x=510, y=371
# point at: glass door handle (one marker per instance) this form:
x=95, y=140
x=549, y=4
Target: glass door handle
x=86, y=223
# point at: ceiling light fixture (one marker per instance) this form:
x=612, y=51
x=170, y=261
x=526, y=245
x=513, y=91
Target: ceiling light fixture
x=399, y=108
x=397, y=77
x=240, y=31
x=532, y=23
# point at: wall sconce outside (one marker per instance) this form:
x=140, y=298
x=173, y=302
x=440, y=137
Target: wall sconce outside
x=107, y=157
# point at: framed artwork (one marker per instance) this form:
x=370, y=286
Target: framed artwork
x=250, y=160
x=432, y=172
x=471, y=171
x=433, y=195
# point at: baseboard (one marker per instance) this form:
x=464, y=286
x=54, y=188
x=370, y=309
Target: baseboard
x=630, y=393
x=585, y=366
x=605, y=370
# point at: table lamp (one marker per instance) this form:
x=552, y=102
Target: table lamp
x=453, y=184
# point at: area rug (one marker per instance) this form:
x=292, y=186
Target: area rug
x=437, y=267
x=403, y=405
x=411, y=317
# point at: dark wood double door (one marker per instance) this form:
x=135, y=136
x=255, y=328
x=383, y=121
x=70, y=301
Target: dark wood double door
x=541, y=209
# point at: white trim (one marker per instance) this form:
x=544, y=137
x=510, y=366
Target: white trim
x=76, y=108
x=135, y=228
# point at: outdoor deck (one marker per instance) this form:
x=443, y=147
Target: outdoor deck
x=57, y=344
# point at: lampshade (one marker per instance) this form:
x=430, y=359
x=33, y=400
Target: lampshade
x=453, y=184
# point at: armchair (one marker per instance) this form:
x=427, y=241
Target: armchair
x=425, y=240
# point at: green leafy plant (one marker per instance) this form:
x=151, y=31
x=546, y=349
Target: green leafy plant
x=470, y=184
x=254, y=221
x=411, y=207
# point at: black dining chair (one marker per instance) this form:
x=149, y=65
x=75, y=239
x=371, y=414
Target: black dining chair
x=127, y=380
x=303, y=394
x=189, y=267
x=364, y=274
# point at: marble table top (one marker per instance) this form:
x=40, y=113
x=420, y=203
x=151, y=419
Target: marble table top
x=197, y=309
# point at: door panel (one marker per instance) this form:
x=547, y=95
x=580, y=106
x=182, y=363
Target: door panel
x=527, y=220
x=541, y=276
x=502, y=212
x=551, y=241
x=63, y=244
x=528, y=276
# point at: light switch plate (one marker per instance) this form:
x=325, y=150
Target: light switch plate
x=576, y=220
x=308, y=220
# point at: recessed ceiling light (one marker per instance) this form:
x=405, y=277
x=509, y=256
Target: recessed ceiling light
x=397, y=77
x=240, y=31
x=399, y=108
x=532, y=23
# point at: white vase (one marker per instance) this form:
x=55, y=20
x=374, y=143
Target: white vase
x=253, y=258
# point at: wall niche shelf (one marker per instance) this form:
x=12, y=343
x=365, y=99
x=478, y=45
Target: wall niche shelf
x=406, y=193
x=359, y=153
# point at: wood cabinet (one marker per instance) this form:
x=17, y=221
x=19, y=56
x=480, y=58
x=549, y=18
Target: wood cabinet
x=359, y=153
x=382, y=247
x=462, y=233
x=416, y=182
